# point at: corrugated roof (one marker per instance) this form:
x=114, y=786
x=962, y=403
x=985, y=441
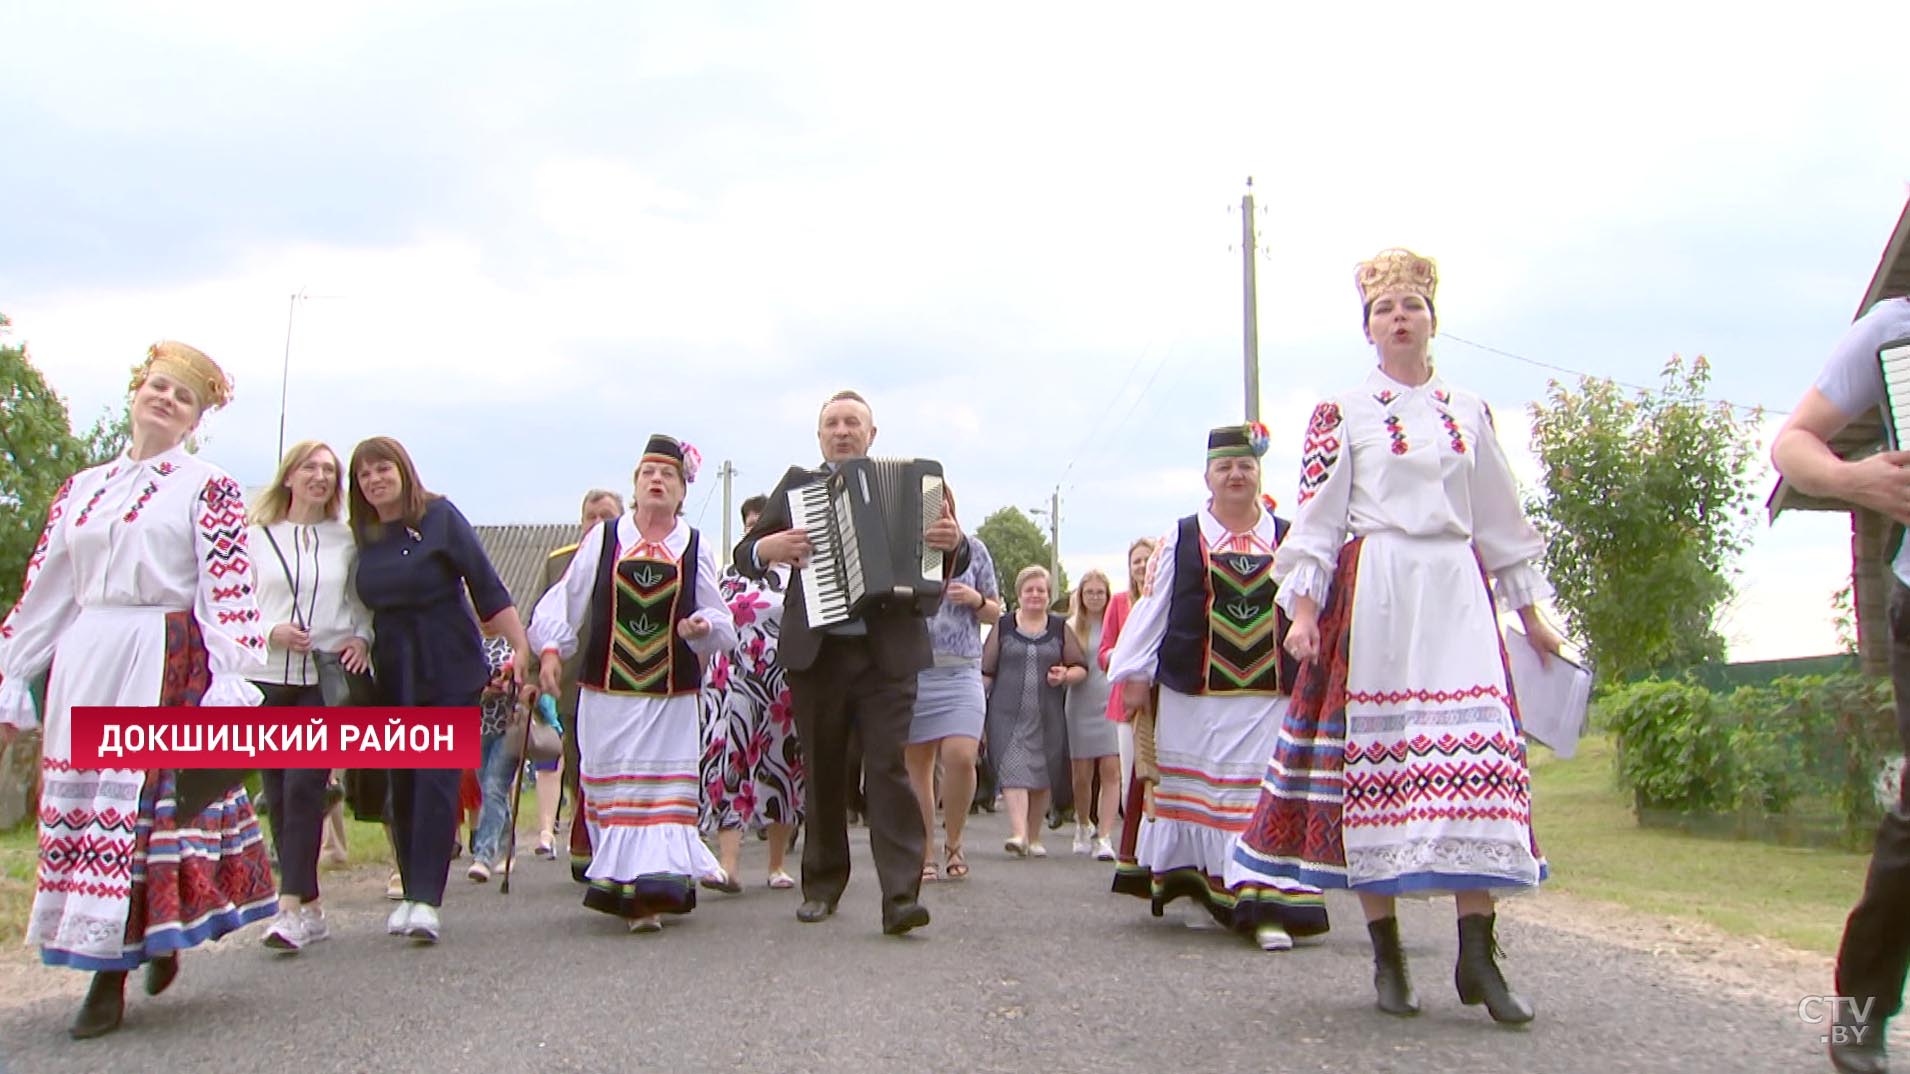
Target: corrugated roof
x=1863, y=435
x=518, y=551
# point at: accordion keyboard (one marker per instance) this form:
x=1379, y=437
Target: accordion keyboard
x=825, y=592
x=1894, y=357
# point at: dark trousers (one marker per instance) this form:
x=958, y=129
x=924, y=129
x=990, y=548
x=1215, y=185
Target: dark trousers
x=424, y=824
x=841, y=691
x=295, y=803
x=1872, y=959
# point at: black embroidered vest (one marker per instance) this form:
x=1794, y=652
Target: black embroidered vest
x=633, y=647
x=1224, y=631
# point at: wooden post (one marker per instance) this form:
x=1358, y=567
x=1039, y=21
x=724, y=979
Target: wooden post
x=1870, y=590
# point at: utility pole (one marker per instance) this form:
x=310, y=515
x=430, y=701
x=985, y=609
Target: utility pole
x=1053, y=511
x=285, y=373
x=1054, y=539
x=728, y=474
x=1249, y=248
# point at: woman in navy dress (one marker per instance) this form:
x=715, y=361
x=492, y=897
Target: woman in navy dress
x=417, y=560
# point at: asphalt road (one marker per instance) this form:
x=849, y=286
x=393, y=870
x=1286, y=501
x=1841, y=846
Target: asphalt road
x=1028, y=966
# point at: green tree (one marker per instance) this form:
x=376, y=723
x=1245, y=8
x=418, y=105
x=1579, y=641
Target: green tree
x=1014, y=542
x=1646, y=504
x=37, y=454
x=109, y=435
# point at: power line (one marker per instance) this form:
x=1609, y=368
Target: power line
x=705, y=509
x=1158, y=366
x=1096, y=430
x=1620, y=383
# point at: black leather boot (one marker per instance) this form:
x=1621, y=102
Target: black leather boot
x=160, y=973
x=1390, y=980
x=104, y=1006
x=1477, y=975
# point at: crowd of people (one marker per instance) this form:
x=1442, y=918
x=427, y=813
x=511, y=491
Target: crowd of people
x=1267, y=707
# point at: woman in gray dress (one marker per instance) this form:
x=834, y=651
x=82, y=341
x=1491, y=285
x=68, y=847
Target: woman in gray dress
x=1029, y=662
x=1093, y=747
x=947, y=726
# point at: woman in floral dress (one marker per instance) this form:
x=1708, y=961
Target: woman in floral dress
x=752, y=765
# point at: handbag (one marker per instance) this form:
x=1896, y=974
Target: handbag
x=341, y=687
x=338, y=686
x=545, y=743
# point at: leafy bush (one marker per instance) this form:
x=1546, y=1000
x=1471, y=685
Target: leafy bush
x=1758, y=751
x=1674, y=746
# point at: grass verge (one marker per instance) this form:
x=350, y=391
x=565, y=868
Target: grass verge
x=1596, y=850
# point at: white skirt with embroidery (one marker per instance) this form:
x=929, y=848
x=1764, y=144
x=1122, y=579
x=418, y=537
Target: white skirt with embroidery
x=1438, y=792
x=638, y=768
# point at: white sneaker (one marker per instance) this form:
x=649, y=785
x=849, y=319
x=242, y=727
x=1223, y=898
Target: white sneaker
x=316, y=928
x=1082, y=843
x=1036, y=850
x=423, y=925
x=399, y=921
x=1272, y=938
x=653, y=923
x=286, y=932
x=1017, y=847
x=1103, y=848
x=478, y=872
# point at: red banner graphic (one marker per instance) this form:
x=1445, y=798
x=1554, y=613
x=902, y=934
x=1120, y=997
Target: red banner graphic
x=192, y=737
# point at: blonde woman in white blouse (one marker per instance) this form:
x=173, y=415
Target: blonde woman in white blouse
x=304, y=558
x=1401, y=767
x=135, y=596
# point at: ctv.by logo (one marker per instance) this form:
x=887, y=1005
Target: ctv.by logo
x=1849, y=1017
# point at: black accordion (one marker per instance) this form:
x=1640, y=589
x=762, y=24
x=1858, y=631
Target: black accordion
x=865, y=524
x=1894, y=359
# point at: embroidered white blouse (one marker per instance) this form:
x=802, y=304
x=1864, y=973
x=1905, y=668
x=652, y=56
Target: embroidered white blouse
x=306, y=579
x=166, y=533
x=567, y=604
x=1420, y=461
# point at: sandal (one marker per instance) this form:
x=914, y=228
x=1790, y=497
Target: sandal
x=956, y=867
x=723, y=882
x=929, y=873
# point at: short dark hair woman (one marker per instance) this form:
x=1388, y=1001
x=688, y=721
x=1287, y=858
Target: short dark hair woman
x=418, y=560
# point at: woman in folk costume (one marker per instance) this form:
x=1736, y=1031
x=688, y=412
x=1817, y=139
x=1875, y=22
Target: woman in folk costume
x=1204, y=639
x=1401, y=769
x=648, y=585
x=139, y=594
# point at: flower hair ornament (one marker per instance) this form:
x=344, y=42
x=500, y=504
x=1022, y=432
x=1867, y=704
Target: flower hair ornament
x=692, y=462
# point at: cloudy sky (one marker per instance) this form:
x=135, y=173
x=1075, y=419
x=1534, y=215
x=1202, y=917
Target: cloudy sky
x=530, y=235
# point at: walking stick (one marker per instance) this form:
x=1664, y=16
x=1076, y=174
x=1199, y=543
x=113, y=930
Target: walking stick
x=517, y=795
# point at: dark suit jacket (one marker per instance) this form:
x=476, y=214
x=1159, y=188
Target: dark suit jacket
x=898, y=639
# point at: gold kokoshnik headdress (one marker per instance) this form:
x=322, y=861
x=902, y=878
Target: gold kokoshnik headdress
x=189, y=366
x=1396, y=270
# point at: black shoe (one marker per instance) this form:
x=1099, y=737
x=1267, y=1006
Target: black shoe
x=1390, y=980
x=1857, y=1047
x=160, y=973
x=903, y=917
x=103, y=1008
x=814, y=910
x=1477, y=974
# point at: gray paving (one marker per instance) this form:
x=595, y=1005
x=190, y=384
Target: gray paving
x=1028, y=966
